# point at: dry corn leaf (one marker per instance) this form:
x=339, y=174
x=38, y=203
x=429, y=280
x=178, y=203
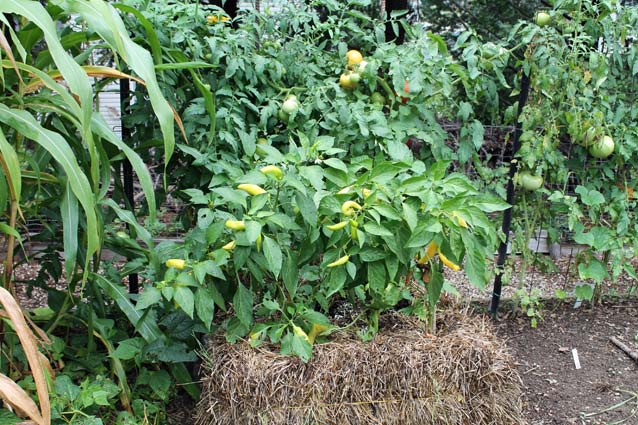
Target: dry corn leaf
x=28, y=342
x=19, y=400
x=4, y=44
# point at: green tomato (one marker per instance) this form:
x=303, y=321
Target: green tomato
x=602, y=148
x=529, y=181
x=290, y=105
x=362, y=67
x=377, y=99
x=283, y=116
x=355, y=77
x=542, y=19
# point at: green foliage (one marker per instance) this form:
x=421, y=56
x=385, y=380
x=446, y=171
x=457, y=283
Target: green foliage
x=331, y=148
x=283, y=263
x=59, y=159
x=583, y=74
x=492, y=19
x=363, y=203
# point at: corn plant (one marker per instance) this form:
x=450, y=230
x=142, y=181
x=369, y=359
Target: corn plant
x=59, y=156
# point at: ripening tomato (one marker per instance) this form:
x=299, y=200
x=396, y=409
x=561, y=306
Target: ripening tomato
x=529, y=181
x=406, y=90
x=602, y=148
x=354, y=57
x=542, y=19
x=290, y=105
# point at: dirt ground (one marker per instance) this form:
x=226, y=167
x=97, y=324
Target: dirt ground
x=555, y=392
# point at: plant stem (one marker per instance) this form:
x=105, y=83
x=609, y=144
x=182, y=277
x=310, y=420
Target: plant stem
x=8, y=263
x=384, y=85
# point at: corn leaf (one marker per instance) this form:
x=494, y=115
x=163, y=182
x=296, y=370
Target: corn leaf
x=151, y=36
x=60, y=150
x=4, y=45
x=103, y=130
x=92, y=71
x=28, y=342
x=117, y=366
x=17, y=398
x=105, y=20
x=145, y=325
x=11, y=167
x=75, y=77
x=70, y=223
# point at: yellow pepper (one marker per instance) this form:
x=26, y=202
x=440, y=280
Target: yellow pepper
x=430, y=252
x=300, y=332
x=348, y=208
x=273, y=171
x=316, y=330
x=229, y=246
x=337, y=226
x=176, y=263
x=354, y=233
x=251, y=189
x=235, y=224
x=340, y=262
x=448, y=263
x=460, y=220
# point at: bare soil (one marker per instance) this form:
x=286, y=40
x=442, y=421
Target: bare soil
x=555, y=392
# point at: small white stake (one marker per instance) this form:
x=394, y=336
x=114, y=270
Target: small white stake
x=576, y=360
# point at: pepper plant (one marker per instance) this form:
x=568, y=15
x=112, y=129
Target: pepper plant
x=277, y=246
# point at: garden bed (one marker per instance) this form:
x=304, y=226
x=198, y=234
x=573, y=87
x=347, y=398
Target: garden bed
x=555, y=392
x=404, y=376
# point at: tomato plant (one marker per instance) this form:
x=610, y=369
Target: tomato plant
x=580, y=132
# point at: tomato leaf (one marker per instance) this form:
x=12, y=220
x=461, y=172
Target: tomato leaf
x=595, y=270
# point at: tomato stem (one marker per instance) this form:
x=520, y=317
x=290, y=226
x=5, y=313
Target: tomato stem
x=386, y=88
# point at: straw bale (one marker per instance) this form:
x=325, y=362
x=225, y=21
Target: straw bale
x=464, y=375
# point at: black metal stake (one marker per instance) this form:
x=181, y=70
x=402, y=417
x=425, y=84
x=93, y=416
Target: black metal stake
x=127, y=169
x=507, y=215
